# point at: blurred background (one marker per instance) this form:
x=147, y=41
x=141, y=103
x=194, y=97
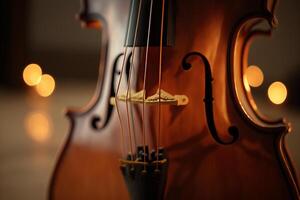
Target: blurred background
x=32, y=122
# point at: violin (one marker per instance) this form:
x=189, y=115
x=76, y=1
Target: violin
x=172, y=117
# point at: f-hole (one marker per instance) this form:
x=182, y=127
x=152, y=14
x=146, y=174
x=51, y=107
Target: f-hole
x=96, y=119
x=208, y=100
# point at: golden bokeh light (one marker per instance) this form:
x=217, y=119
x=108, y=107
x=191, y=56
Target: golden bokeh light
x=254, y=76
x=46, y=86
x=32, y=74
x=37, y=126
x=277, y=92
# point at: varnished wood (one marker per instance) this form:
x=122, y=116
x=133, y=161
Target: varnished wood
x=256, y=166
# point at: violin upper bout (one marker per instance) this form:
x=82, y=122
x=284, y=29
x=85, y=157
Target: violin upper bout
x=245, y=30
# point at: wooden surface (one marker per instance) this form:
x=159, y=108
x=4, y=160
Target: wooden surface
x=27, y=165
x=254, y=167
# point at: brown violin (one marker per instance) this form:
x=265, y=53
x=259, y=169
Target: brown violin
x=171, y=117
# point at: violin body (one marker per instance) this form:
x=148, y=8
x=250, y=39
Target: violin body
x=219, y=148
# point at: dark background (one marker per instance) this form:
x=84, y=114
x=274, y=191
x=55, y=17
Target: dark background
x=46, y=32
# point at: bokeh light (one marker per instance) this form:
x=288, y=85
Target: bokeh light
x=46, y=86
x=32, y=74
x=254, y=76
x=277, y=92
x=37, y=125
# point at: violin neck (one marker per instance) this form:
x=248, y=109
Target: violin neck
x=145, y=19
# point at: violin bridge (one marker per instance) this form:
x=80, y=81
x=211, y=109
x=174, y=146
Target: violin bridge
x=165, y=98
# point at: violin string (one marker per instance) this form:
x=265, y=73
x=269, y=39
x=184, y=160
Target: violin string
x=131, y=109
x=144, y=83
x=128, y=93
x=159, y=79
x=119, y=82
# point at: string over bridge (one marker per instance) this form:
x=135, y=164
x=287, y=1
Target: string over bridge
x=165, y=98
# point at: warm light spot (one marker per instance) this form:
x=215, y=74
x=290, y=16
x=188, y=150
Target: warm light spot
x=277, y=92
x=37, y=126
x=46, y=86
x=32, y=74
x=254, y=76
